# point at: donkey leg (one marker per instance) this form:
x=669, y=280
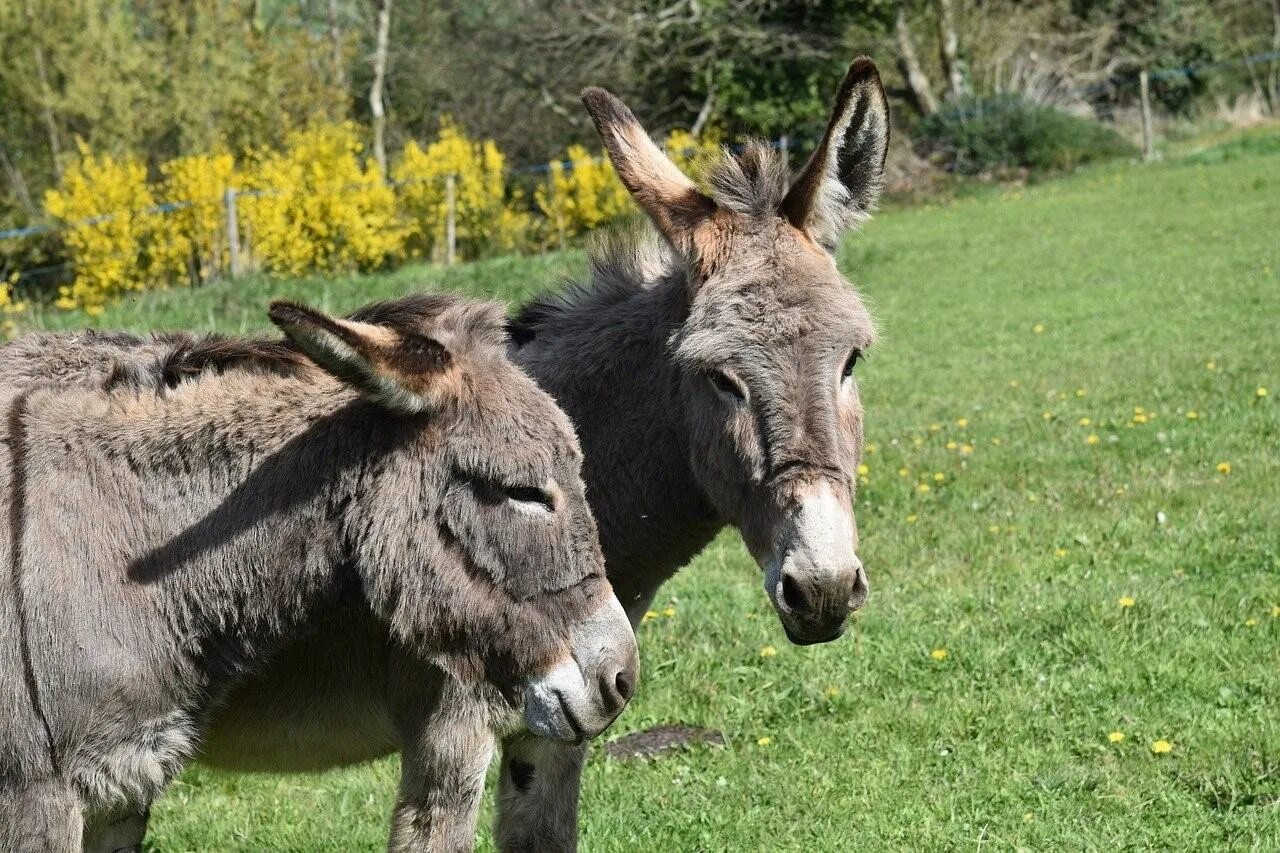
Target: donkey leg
x=121, y=833
x=44, y=817
x=441, y=783
x=538, y=794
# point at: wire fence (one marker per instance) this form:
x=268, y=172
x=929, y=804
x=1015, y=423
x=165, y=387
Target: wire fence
x=238, y=249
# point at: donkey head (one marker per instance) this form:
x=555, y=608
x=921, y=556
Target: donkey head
x=473, y=536
x=772, y=334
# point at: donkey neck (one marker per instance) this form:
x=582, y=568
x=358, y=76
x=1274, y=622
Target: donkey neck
x=603, y=355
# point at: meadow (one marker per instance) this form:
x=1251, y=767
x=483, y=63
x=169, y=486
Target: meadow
x=1070, y=512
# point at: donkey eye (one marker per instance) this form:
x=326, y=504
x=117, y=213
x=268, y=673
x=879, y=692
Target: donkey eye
x=530, y=495
x=849, y=364
x=728, y=387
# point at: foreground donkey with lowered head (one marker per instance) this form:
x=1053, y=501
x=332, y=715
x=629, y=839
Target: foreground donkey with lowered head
x=708, y=369
x=163, y=542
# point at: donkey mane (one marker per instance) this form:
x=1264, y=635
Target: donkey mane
x=752, y=182
x=182, y=356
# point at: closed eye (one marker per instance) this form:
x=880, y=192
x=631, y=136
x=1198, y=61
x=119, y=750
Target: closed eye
x=530, y=496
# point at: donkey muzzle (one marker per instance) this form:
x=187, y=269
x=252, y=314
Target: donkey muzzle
x=583, y=693
x=814, y=577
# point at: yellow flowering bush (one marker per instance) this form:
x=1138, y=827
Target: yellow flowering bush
x=193, y=237
x=315, y=208
x=484, y=221
x=8, y=306
x=584, y=196
x=106, y=201
x=693, y=154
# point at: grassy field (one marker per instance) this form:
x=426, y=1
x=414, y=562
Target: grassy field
x=1071, y=519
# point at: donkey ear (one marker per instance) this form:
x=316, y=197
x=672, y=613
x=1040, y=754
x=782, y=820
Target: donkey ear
x=674, y=204
x=842, y=180
x=405, y=372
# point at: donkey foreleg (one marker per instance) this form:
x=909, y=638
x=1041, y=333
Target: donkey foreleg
x=442, y=782
x=41, y=816
x=121, y=834
x=538, y=794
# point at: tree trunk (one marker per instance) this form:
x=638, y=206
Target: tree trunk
x=1273, y=84
x=909, y=64
x=379, y=80
x=18, y=184
x=335, y=39
x=46, y=95
x=949, y=42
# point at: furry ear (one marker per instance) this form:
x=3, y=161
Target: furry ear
x=842, y=181
x=672, y=201
x=405, y=372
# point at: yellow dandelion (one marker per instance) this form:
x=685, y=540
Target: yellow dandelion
x=913, y=518
x=1033, y=498
x=993, y=528
x=1048, y=416
x=831, y=692
x=962, y=422
x=1224, y=467
x=939, y=654
x=768, y=652
x=917, y=441
x=1013, y=383
x=1029, y=817
x=1161, y=747
x=1138, y=410
x=966, y=449
x=1139, y=419
x=1210, y=365
x=951, y=445
x=939, y=477
x=1084, y=422
x=1038, y=328
x=872, y=447
x=1260, y=393
x=1126, y=601
x=1192, y=415
x=1116, y=737
x=1250, y=622
x=669, y=612
x=935, y=427
x=996, y=442
x=1275, y=611
x=903, y=472
x=764, y=741
x=923, y=488
x=864, y=469
x=649, y=616
x=1059, y=552
x=1080, y=392
x=1093, y=439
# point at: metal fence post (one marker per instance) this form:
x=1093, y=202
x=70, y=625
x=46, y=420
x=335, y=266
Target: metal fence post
x=450, y=219
x=1148, y=135
x=233, y=233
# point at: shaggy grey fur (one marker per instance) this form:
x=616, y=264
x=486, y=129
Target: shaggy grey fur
x=180, y=509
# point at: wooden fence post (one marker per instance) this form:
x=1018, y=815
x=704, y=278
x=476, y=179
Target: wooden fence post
x=1148, y=135
x=233, y=233
x=450, y=220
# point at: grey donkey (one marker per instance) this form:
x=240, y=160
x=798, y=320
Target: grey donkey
x=709, y=371
x=166, y=538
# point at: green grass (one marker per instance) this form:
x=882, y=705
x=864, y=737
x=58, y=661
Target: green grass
x=1136, y=277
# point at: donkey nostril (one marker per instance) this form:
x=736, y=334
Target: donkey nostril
x=793, y=594
x=625, y=684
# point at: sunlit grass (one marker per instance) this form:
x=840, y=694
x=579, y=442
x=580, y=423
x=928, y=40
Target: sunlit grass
x=1071, y=516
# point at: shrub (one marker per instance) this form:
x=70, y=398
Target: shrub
x=192, y=238
x=485, y=221
x=1007, y=131
x=107, y=205
x=316, y=208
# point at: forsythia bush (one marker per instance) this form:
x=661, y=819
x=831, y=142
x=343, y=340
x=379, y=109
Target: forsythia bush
x=8, y=306
x=108, y=198
x=193, y=238
x=588, y=194
x=485, y=218
x=317, y=209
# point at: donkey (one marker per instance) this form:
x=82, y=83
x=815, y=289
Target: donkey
x=709, y=370
x=166, y=539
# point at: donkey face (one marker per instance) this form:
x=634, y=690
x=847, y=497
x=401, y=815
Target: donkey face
x=773, y=332
x=482, y=507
